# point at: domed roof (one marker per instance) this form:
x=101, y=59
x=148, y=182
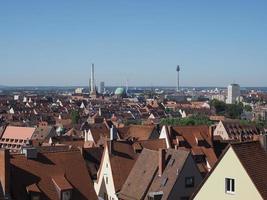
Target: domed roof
x=119, y=91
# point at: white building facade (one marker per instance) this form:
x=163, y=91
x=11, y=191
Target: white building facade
x=233, y=94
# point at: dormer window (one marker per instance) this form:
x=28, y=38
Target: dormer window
x=66, y=195
x=63, y=187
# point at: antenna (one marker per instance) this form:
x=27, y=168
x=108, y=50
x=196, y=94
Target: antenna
x=178, y=69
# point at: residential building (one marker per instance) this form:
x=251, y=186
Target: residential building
x=240, y=174
x=197, y=139
x=52, y=175
x=164, y=174
x=116, y=164
x=14, y=138
x=235, y=131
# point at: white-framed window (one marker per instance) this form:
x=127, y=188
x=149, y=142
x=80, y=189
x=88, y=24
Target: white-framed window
x=229, y=185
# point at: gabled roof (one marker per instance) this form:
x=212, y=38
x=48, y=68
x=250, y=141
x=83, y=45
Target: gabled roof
x=191, y=133
x=153, y=144
x=165, y=183
x=64, y=167
x=138, y=132
x=144, y=178
x=93, y=157
x=235, y=129
x=122, y=159
x=254, y=160
x=141, y=176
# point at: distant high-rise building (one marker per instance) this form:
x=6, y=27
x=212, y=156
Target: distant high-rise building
x=233, y=94
x=101, y=87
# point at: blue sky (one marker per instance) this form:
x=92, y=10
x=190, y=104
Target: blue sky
x=54, y=42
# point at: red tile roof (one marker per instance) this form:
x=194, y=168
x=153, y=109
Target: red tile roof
x=46, y=167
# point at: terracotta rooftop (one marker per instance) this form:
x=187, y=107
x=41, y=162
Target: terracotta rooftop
x=48, y=167
x=122, y=160
x=13, y=132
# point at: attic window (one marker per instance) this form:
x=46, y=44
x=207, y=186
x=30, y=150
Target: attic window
x=229, y=185
x=189, y=182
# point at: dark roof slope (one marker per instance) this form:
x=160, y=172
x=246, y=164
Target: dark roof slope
x=122, y=159
x=254, y=160
x=141, y=176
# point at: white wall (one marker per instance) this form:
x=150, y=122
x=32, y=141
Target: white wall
x=229, y=167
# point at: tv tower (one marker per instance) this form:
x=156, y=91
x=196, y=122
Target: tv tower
x=178, y=77
x=92, y=85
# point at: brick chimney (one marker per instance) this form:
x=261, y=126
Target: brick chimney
x=263, y=141
x=5, y=171
x=162, y=161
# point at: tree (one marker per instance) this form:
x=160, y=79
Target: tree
x=234, y=111
x=75, y=116
x=219, y=106
x=248, y=108
x=188, y=121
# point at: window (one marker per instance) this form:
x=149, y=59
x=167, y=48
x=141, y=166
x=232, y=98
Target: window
x=229, y=185
x=35, y=196
x=155, y=197
x=189, y=181
x=66, y=195
x=106, y=180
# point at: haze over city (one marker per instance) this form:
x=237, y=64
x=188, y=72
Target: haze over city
x=44, y=43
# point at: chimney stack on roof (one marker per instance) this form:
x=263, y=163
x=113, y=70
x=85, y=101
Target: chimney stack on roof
x=113, y=133
x=162, y=161
x=263, y=141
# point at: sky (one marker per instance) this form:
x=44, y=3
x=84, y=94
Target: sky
x=54, y=42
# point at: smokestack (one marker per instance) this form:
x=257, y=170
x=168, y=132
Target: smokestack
x=92, y=78
x=5, y=170
x=162, y=154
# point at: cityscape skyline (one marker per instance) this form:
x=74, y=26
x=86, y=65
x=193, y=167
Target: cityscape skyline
x=54, y=43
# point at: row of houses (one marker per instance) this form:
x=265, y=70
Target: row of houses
x=132, y=162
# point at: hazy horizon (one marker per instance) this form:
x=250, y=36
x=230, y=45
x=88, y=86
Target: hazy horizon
x=53, y=43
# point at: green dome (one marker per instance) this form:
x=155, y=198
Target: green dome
x=119, y=91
